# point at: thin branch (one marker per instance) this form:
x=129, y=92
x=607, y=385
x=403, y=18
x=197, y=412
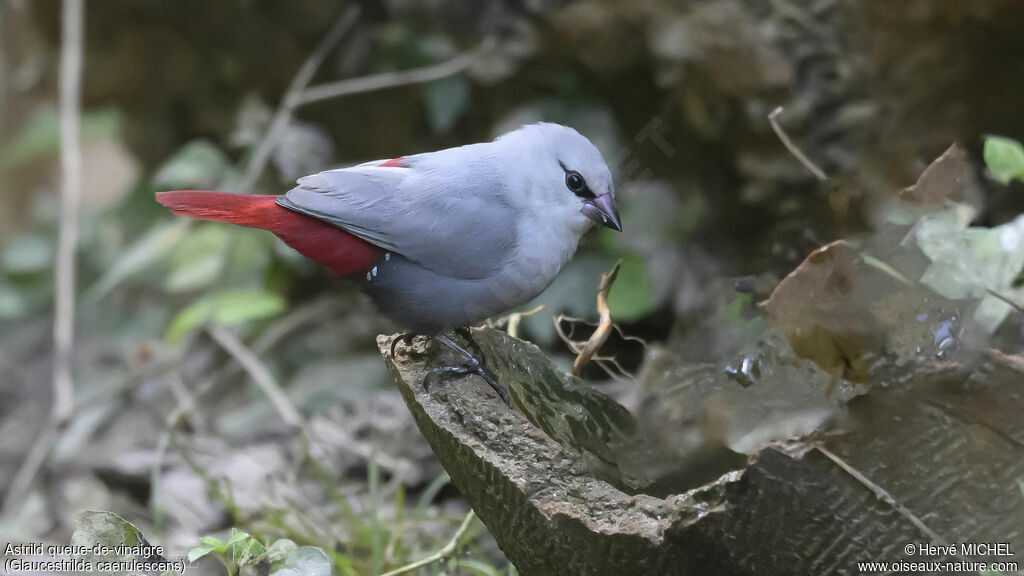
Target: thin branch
x=566, y=338
x=441, y=555
x=291, y=100
x=277, y=331
x=22, y=483
x=72, y=18
x=619, y=374
x=1006, y=299
x=604, y=325
x=773, y=119
x=320, y=309
x=515, y=318
x=299, y=93
x=882, y=494
x=385, y=80
x=70, y=196
x=259, y=373
x=1010, y=361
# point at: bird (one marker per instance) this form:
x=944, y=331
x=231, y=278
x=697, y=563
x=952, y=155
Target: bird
x=439, y=240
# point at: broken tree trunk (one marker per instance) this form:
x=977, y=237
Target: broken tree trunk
x=932, y=461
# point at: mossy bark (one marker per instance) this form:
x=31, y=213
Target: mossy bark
x=909, y=473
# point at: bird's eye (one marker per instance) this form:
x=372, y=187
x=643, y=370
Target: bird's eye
x=575, y=182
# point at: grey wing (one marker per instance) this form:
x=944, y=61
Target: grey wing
x=452, y=226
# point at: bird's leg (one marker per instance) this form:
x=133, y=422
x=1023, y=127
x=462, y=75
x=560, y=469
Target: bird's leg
x=467, y=333
x=404, y=338
x=474, y=366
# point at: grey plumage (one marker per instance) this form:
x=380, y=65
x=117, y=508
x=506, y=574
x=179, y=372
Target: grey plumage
x=471, y=231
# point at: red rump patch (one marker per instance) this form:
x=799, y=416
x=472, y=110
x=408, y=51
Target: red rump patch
x=393, y=163
x=341, y=252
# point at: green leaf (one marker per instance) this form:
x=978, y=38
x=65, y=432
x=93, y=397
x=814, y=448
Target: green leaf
x=198, y=164
x=147, y=251
x=884, y=267
x=216, y=543
x=249, y=255
x=248, y=551
x=446, y=102
x=968, y=262
x=236, y=536
x=474, y=566
x=305, y=561
x=235, y=306
x=740, y=313
x=95, y=527
x=632, y=295
x=279, y=550
x=40, y=134
x=199, y=551
x=198, y=312
x=1004, y=158
x=28, y=253
x=199, y=273
x=229, y=307
x=734, y=310
x=199, y=258
x=12, y=304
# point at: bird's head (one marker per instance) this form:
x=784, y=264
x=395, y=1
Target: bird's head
x=567, y=177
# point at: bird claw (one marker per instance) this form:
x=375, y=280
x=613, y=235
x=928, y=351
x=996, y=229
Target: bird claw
x=405, y=338
x=474, y=365
x=492, y=381
x=481, y=371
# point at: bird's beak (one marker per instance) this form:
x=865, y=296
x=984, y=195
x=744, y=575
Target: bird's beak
x=602, y=210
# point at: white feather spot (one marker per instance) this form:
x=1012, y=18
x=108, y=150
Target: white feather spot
x=374, y=271
x=387, y=256
x=368, y=277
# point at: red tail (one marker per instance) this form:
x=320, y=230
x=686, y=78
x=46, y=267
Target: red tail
x=341, y=252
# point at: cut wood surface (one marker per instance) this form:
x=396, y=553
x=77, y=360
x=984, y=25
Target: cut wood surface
x=936, y=460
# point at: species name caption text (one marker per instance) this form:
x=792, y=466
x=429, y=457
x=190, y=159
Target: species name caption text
x=966, y=557
x=98, y=559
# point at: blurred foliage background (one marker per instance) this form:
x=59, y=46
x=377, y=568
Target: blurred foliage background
x=169, y=432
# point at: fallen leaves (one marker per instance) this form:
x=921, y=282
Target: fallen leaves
x=918, y=288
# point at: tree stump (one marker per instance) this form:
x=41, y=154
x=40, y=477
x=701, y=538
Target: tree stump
x=935, y=461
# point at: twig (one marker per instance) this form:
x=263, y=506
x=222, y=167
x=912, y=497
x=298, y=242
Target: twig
x=441, y=555
x=1006, y=299
x=604, y=325
x=384, y=80
x=320, y=309
x=22, y=483
x=299, y=93
x=259, y=373
x=882, y=494
x=294, y=320
x=70, y=196
x=606, y=363
x=283, y=115
x=773, y=120
x=1009, y=361
x=72, y=33
x=619, y=374
x=515, y=318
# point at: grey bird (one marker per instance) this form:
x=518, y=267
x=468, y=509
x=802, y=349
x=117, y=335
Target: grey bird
x=440, y=240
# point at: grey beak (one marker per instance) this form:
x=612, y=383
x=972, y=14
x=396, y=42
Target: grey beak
x=602, y=210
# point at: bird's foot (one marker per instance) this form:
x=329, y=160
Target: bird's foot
x=405, y=338
x=474, y=365
x=482, y=371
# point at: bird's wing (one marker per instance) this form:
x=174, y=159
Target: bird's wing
x=449, y=223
